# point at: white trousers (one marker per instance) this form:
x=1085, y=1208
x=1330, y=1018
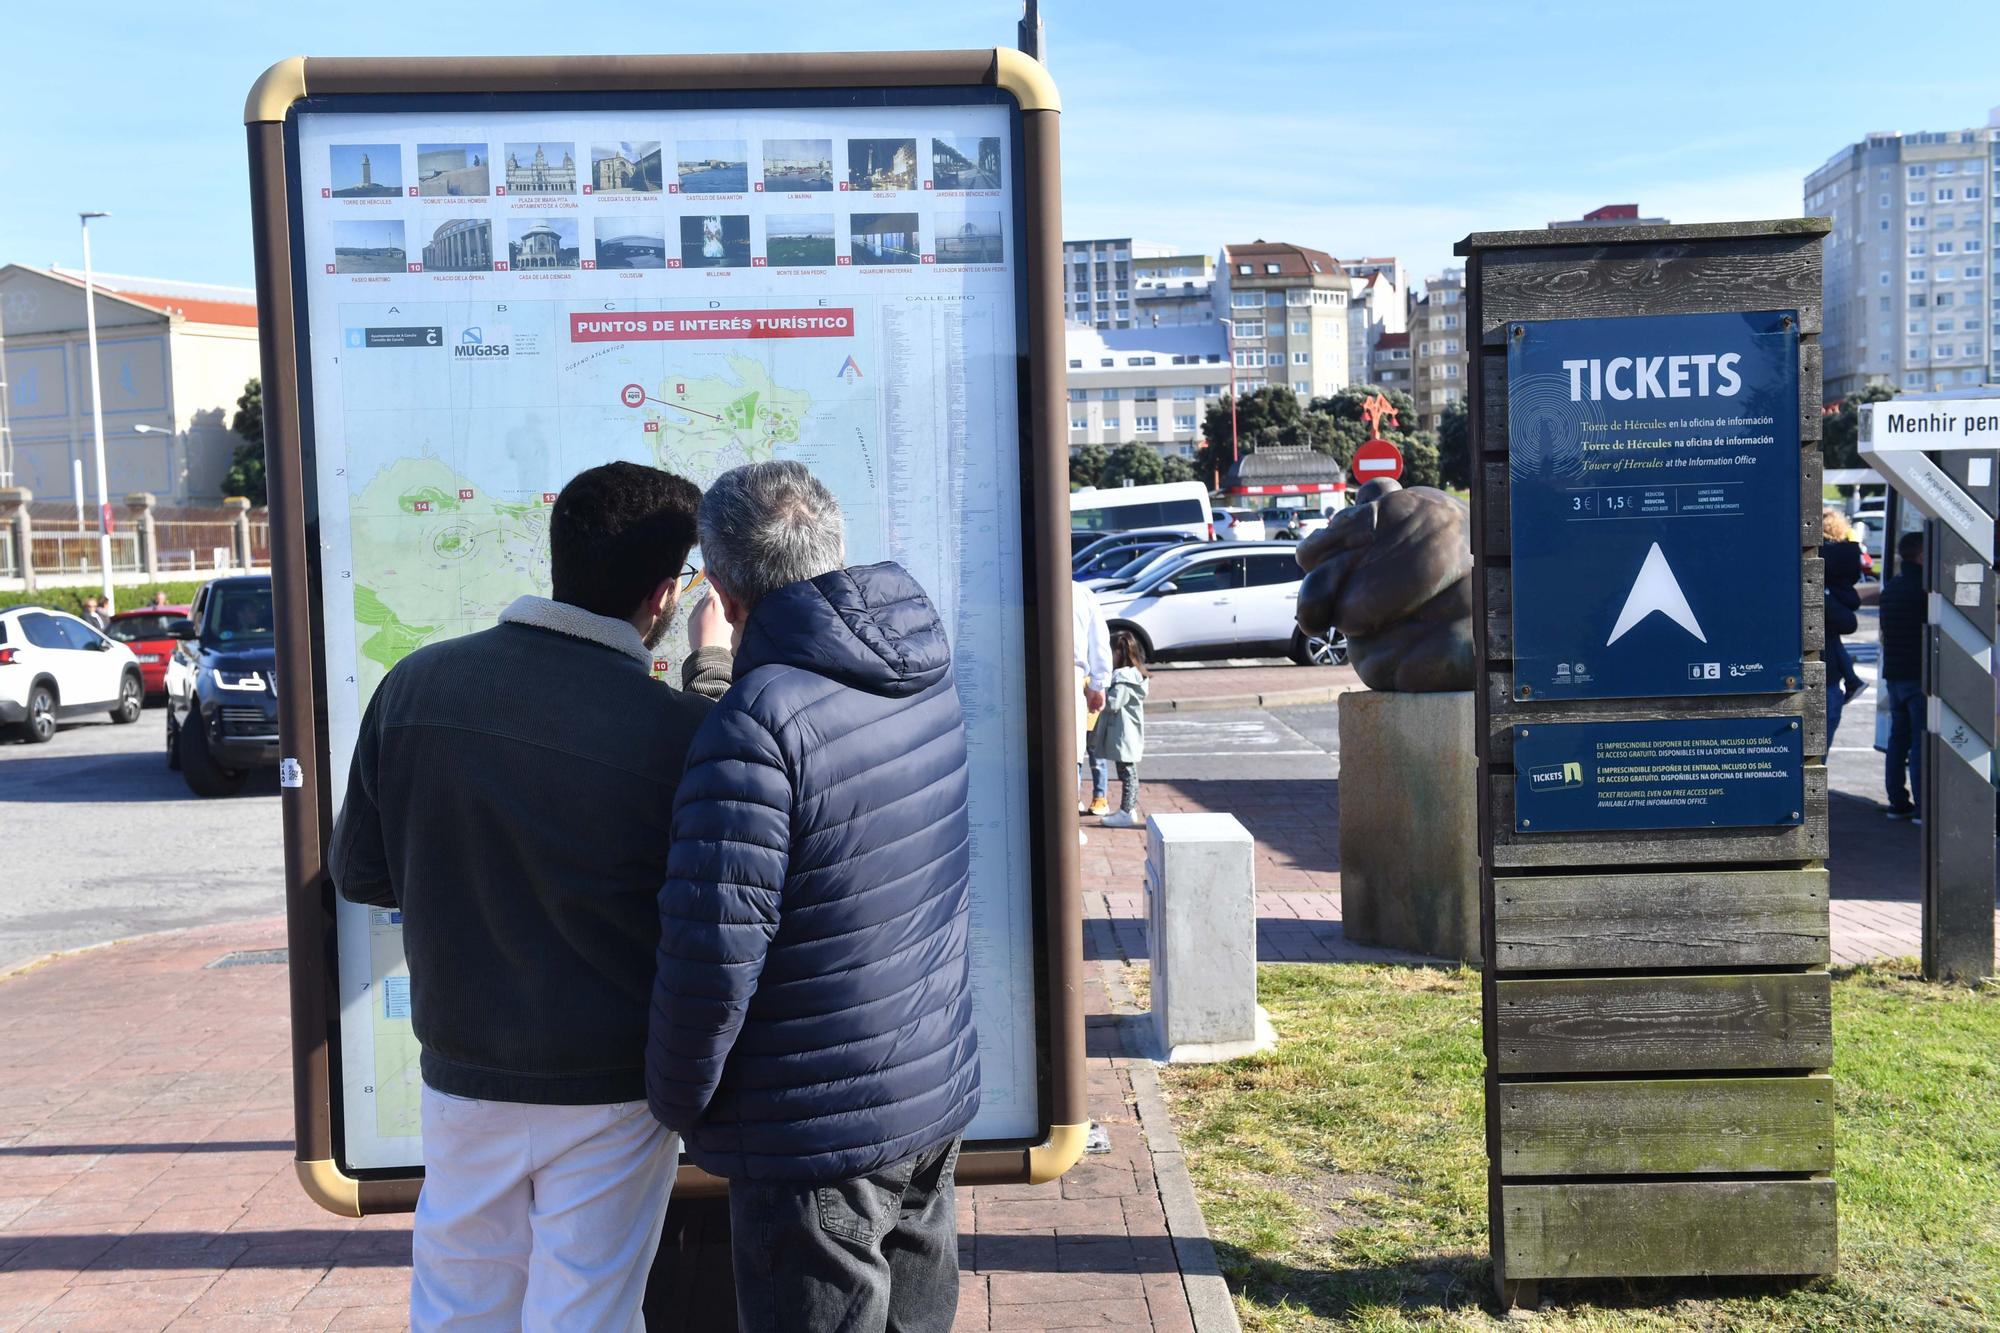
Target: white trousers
x=537, y=1217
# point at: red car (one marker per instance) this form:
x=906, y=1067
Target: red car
x=145, y=633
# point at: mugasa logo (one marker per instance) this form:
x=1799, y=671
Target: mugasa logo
x=472, y=345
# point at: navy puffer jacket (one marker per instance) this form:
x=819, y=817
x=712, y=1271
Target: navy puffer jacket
x=812, y=1020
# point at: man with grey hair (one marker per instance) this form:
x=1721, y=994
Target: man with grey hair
x=811, y=1034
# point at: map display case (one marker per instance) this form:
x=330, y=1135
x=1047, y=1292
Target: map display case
x=477, y=278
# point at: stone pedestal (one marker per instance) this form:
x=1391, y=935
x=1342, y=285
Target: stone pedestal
x=1201, y=929
x=139, y=517
x=1409, y=822
x=239, y=531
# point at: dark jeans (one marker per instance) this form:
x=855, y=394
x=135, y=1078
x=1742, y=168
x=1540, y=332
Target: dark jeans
x=877, y=1254
x=1128, y=786
x=1905, y=700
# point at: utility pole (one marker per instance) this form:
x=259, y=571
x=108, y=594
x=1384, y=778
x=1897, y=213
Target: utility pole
x=97, y=414
x=1029, y=38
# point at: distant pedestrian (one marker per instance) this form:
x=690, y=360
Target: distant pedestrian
x=93, y=616
x=1090, y=649
x=1840, y=558
x=1120, y=734
x=1903, y=616
x=159, y=601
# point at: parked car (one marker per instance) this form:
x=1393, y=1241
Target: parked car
x=1141, y=563
x=1119, y=549
x=147, y=634
x=1219, y=600
x=222, y=692
x=1169, y=504
x=54, y=667
x=1297, y=524
x=1239, y=525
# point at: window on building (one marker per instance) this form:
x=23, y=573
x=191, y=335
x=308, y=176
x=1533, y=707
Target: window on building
x=1915, y=381
x=1947, y=168
x=1944, y=298
x=1249, y=357
x=1079, y=423
x=1273, y=268
x=1917, y=302
x=1246, y=300
x=1448, y=322
x=1111, y=425
x=1184, y=393
x=1076, y=363
x=1245, y=269
x=1079, y=395
x=1917, y=197
x=1299, y=296
x=1274, y=298
x=1107, y=361
x=1885, y=280
x=1301, y=328
x=1972, y=192
x=1968, y=377
x=1917, y=326
x=1145, y=395
x=1914, y=172
x=1146, y=425
x=1916, y=352
x=1211, y=390
x=1945, y=247
x=1301, y=358
x=1301, y=386
x=1946, y=196
x=1451, y=369
x=1185, y=422
x=1918, y=275
x=1249, y=328
x=1975, y=270
x=1108, y=395
x=1974, y=246
x=1947, y=274
x=1945, y=325
x=1917, y=222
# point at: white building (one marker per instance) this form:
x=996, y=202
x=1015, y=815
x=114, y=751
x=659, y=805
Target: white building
x=171, y=355
x=1149, y=385
x=1286, y=308
x=1440, y=347
x=1099, y=282
x=1377, y=304
x=1910, y=296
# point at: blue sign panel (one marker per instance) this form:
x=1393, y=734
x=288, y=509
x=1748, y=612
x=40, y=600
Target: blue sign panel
x=1692, y=773
x=1655, y=489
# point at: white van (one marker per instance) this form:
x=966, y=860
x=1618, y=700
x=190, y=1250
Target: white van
x=1181, y=505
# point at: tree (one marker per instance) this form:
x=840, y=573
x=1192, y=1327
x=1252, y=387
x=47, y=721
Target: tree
x=1267, y=416
x=1420, y=458
x=1086, y=465
x=1347, y=430
x=1455, y=445
x=1177, y=469
x=1840, y=434
x=1132, y=462
x=246, y=465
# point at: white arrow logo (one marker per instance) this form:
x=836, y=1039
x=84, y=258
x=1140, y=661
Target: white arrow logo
x=1656, y=589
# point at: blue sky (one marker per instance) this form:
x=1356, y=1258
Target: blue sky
x=1359, y=129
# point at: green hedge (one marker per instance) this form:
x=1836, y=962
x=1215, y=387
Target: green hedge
x=131, y=597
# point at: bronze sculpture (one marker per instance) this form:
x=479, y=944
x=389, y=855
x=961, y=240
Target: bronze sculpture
x=1393, y=572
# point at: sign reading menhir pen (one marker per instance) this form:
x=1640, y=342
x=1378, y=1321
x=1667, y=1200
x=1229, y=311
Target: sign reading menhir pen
x=1654, y=464
x=678, y=324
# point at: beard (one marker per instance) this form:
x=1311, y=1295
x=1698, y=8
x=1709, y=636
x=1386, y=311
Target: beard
x=656, y=633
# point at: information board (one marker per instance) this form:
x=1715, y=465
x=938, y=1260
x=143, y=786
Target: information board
x=492, y=294
x=1657, y=774
x=1655, y=505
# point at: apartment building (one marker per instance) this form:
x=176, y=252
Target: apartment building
x=1285, y=309
x=1148, y=384
x=1390, y=362
x=1173, y=289
x=1910, y=297
x=1098, y=280
x=1377, y=304
x=1440, y=347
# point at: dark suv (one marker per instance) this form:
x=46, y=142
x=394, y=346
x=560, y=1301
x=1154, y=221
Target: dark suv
x=222, y=691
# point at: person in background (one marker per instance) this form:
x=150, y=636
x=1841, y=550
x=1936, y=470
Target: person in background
x=1904, y=612
x=511, y=793
x=94, y=617
x=1090, y=647
x=812, y=1030
x=1840, y=559
x=159, y=601
x=1120, y=734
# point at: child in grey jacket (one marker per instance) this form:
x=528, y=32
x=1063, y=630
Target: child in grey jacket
x=1120, y=735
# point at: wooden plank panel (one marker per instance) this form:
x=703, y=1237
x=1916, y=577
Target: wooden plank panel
x=1697, y=278
x=1812, y=483
x=1493, y=369
x=1525, y=851
x=1720, y=918
x=1810, y=360
x=1499, y=534
x=1642, y=1024
x=1680, y=1126
x=1506, y=713
x=1668, y=1229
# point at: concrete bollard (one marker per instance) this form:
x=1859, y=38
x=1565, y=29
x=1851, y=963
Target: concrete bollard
x=239, y=530
x=1201, y=929
x=139, y=516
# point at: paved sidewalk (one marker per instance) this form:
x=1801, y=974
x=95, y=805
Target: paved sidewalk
x=146, y=1178
x=1202, y=687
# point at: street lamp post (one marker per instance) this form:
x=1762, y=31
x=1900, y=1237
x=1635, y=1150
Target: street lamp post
x=180, y=477
x=1235, y=452
x=97, y=413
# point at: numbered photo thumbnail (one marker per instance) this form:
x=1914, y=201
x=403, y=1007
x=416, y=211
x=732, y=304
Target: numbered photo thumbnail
x=541, y=168
x=369, y=247
x=712, y=166
x=968, y=238
x=799, y=240
x=454, y=169
x=459, y=245
x=716, y=241
x=542, y=243
x=965, y=162
x=366, y=170
x=885, y=238
x=881, y=164
x=636, y=242
x=626, y=167
x=798, y=164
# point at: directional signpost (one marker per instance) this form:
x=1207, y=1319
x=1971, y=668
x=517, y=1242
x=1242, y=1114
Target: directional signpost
x=1651, y=733
x=1942, y=455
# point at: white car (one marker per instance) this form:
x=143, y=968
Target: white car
x=53, y=666
x=1227, y=600
x=1238, y=525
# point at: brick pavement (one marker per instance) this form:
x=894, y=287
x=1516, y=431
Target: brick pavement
x=1197, y=685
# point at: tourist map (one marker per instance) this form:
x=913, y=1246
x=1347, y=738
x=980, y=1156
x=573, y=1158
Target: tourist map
x=496, y=304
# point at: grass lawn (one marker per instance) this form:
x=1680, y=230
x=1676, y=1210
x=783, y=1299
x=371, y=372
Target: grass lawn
x=1343, y=1175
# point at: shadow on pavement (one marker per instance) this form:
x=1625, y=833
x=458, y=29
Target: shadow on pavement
x=114, y=1149
x=70, y=779
x=205, y=1251
x=1028, y=1252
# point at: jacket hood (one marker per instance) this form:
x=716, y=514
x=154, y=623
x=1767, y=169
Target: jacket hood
x=871, y=627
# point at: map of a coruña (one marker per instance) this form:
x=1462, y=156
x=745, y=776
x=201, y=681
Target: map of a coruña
x=497, y=300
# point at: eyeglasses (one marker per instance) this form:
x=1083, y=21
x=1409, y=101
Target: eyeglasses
x=690, y=576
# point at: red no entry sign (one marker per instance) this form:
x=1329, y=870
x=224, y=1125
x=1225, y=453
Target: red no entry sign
x=1378, y=458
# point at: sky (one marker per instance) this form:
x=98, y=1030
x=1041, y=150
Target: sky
x=1387, y=128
